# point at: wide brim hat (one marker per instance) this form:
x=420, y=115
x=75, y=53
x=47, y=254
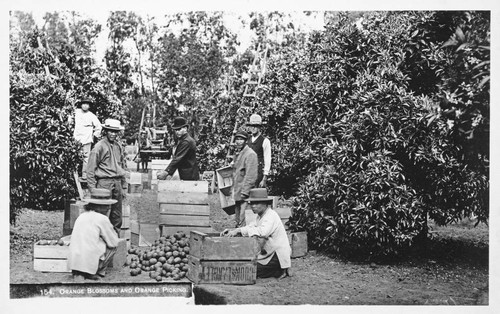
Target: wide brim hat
x=255, y=120
x=112, y=124
x=179, y=122
x=258, y=195
x=100, y=197
x=84, y=101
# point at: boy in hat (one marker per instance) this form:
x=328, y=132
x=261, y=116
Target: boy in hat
x=274, y=257
x=87, y=126
x=106, y=168
x=184, y=155
x=244, y=175
x=262, y=146
x=93, y=240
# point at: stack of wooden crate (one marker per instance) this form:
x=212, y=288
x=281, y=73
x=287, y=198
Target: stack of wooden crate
x=221, y=260
x=125, y=228
x=225, y=186
x=183, y=206
x=135, y=183
x=72, y=210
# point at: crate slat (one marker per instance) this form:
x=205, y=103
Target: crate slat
x=221, y=272
x=184, y=209
x=183, y=197
x=184, y=220
x=183, y=186
x=211, y=246
x=51, y=251
x=51, y=265
x=170, y=230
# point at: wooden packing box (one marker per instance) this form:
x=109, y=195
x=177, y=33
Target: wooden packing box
x=159, y=164
x=221, y=272
x=134, y=188
x=135, y=178
x=209, y=176
x=125, y=222
x=170, y=230
x=51, y=258
x=143, y=234
x=120, y=256
x=183, y=206
x=298, y=243
x=211, y=246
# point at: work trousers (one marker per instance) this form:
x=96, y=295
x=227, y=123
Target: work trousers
x=86, y=155
x=271, y=269
x=105, y=260
x=239, y=213
x=115, y=186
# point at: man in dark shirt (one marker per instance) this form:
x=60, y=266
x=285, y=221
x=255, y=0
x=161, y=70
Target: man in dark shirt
x=184, y=155
x=106, y=169
x=262, y=147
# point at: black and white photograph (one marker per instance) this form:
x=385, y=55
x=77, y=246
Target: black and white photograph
x=268, y=157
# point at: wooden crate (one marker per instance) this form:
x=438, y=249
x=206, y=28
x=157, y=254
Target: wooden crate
x=135, y=178
x=298, y=243
x=209, y=176
x=170, y=230
x=134, y=188
x=221, y=272
x=143, y=234
x=125, y=222
x=51, y=258
x=72, y=210
x=159, y=164
x=183, y=206
x=211, y=246
x=225, y=186
x=120, y=256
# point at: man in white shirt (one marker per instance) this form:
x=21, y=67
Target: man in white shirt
x=86, y=127
x=274, y=258
x=262, y=147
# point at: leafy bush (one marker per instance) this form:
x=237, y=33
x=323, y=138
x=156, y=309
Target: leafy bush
x=368, y=159
x=43, y=153
x=44, y=85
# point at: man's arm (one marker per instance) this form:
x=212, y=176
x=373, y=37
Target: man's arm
x=92, y=166
x=180, y=152
x=266, y=146
x=108, y=233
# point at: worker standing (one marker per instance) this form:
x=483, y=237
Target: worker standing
x=262, y=146
x=87, y=126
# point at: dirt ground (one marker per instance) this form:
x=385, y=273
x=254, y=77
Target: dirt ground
x=453, y=270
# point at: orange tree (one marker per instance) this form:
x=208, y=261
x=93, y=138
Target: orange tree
x=368, y=152
x=44, y=85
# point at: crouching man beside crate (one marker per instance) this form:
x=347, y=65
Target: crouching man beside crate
x=93, y=240
x=274, y=258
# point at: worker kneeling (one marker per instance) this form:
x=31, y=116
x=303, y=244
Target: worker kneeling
x=274, y=257
x=93, y=240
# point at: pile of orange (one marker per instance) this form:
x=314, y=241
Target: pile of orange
x=166, y=258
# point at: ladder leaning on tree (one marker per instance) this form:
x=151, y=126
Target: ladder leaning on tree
x=255, y=76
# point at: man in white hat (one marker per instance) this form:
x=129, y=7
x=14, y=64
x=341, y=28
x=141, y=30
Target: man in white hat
x=93, y=240
x=274, y=257
x=87, y=126
x=106, y=169
x=262, y=147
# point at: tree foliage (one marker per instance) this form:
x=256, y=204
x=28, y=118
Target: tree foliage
x=368, y=156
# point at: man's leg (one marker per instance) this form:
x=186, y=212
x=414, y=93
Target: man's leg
x=86, y=155
x=271, y=269
x=104, y=263
x=115, y=217
x=237, y=213
x=243, y=207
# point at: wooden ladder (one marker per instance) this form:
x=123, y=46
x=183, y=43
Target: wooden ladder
x=255, y=76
